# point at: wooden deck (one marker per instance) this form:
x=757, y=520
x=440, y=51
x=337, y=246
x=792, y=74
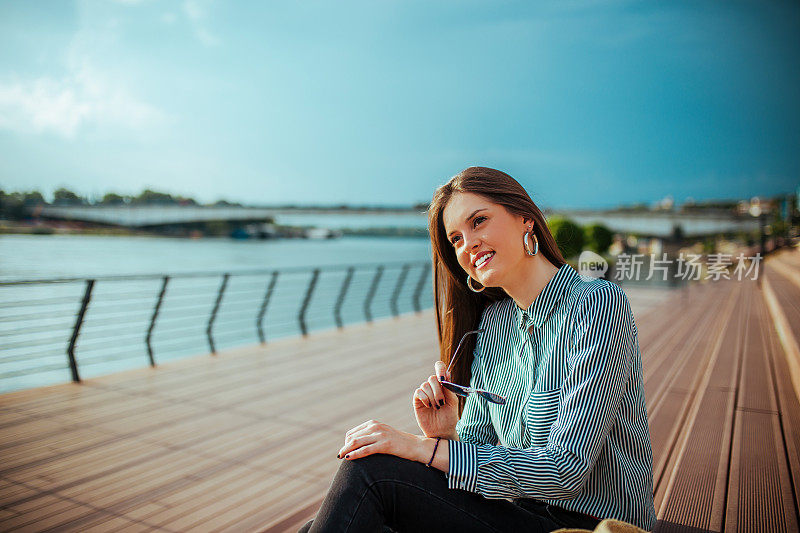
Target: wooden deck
x=247, y=440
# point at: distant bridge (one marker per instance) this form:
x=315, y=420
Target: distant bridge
x=162, y=215
x=653, y=224
x=155, y=215
x=663, y=223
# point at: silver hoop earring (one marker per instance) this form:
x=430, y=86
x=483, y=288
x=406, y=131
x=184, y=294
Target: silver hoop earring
x=535, y=243
x=469, y=284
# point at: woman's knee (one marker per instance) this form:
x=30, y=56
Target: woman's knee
x=382, y=469
x=307, y=526
x=374, y=466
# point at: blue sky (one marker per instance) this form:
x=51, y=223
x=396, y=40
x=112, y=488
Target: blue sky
x=587, y=104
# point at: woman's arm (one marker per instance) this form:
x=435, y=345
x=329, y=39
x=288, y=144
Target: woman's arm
x=605, y=345
x=375, y=437
x=442, y=459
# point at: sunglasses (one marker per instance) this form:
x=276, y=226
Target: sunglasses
x=463, y=391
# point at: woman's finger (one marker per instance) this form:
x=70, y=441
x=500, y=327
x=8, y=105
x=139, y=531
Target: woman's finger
x=438, y=390
x=440, y=369
x=427, y=394
x=364, y=451
x=430, y=392
x=355, y=443
x=359, y=427
x=423, y=398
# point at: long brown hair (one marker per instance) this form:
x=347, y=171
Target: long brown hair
x=458, y=309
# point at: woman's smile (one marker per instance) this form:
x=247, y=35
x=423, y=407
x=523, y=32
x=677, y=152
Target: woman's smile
x=483, y=259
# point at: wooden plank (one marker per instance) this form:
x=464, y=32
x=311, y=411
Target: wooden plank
x=694, y=490
x=670, y=417
x=240, y=485
x=785, y=313
x=52, y=512
x=112, y=524
x=788, y=407
x=294, y=521
x=11, y=491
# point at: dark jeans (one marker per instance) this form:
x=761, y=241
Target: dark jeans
x=386, y=493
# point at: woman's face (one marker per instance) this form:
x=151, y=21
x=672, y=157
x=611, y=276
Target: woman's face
x=487, y=239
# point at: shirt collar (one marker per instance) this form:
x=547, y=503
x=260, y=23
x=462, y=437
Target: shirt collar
x=552, y=293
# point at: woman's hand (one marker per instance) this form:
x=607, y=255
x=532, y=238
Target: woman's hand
x=435, y=407
x=375, y=437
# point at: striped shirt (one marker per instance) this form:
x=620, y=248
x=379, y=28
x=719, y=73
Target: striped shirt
x=573, y=431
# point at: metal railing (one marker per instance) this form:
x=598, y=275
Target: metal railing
x=60, y=329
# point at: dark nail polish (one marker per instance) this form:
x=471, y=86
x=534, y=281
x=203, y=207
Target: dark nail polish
x=441, y=402
x=347, y=456
x=437, y=407
x=337, y=456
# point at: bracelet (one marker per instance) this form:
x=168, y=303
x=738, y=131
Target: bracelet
x=434, y=451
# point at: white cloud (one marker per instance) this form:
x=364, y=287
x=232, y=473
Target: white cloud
x=64, y=106
x=196, y=12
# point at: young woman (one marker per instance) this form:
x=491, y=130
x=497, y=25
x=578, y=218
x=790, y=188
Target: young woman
x=556, y=434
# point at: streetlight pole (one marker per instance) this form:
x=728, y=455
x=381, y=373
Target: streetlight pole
x=758, y=213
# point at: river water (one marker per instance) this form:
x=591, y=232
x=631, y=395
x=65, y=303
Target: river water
x=54, y=256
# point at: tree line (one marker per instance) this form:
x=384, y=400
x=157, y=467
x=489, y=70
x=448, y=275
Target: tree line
x=573, y=238
x=16, y=205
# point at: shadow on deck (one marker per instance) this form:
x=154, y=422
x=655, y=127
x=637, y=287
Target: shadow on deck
x=246, y=441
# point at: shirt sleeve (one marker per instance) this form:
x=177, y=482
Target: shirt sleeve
x=599, y=366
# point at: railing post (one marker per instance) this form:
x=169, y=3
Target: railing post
x=337, y=310
x=263, y=311
x=302, y=316
x=87, y=296
x=399, y=287
x=153, y=320
x=214, y=312
x=420, y=284
x=371, y=293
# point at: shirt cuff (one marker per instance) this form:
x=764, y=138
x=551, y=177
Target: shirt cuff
x=463, y=470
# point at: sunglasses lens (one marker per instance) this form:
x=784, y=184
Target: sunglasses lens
x=494, y=398
x=455, y=388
